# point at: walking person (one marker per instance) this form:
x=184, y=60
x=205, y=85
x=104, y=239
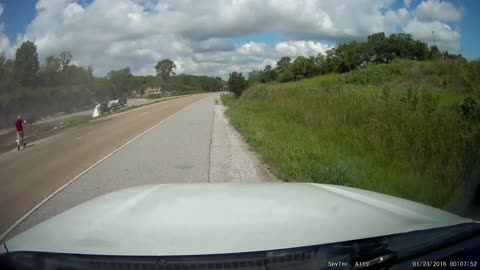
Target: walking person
x=20, y=134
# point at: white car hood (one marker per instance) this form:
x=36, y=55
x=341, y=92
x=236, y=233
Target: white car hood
x=193, y=219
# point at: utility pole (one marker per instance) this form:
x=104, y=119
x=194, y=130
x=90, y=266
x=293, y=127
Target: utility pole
x=433, y=35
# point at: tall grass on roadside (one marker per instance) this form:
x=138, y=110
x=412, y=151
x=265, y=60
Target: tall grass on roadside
x=440, y=75
x=330, y=130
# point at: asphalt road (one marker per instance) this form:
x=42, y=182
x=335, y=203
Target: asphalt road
x=31, y=175
x=196, y=144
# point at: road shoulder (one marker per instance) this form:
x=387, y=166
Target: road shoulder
x=231, y=158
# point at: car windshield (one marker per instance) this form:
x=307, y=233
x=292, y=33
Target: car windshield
x=277, y=124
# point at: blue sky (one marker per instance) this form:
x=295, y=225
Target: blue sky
x=457, y=22
x=470, y=41
x=17, y=15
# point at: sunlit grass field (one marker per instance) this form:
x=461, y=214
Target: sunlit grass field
x=362, y=130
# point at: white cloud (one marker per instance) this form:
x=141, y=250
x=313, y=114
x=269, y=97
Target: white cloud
x=396, y=19
x=5, y=46
x=301, y=48
x=73, y=10
x=432, y=10
x=446, y=38
x=252, y=48
x=197, y=34
x=212, y=44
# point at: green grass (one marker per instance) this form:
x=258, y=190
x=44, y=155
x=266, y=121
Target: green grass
x=75, y=121
x=154, y=96
x=451, y=97
x=406, y=142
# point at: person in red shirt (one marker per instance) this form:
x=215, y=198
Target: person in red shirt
x=20, y=134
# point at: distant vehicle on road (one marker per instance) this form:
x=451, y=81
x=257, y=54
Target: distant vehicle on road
x=247, y=226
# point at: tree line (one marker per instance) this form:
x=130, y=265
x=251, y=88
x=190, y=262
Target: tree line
x=57, y=85
x=377, y=49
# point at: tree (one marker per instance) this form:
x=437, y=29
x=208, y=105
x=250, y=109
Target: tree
x=165, y=68
x=284, y=62
x=435, y=53
x=65, y=58
x=121, y=82
x=53, y=64
x=350, y=56
x=421, y=51
x=320, y=63
x=345, y=57
x=269, y=74
x=2, y=64
x=75, y=75
x=49, y=72
x=286, y=75
x=331, y=60
x=376, y=48
x=7, y=83
x=400, y=45
x=26, y=65
x=255, y=77
x=237, y=83
x=302, y=68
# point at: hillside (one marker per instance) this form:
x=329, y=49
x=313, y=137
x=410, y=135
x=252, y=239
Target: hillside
x=408, y=128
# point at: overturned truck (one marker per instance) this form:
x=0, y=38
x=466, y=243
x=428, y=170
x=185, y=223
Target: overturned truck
x=109, y=106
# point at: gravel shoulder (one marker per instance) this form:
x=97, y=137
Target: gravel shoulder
x=231, y=158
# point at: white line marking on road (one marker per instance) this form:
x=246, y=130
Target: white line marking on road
x=2, y=237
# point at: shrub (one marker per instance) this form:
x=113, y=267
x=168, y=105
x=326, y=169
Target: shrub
x=237, y=83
